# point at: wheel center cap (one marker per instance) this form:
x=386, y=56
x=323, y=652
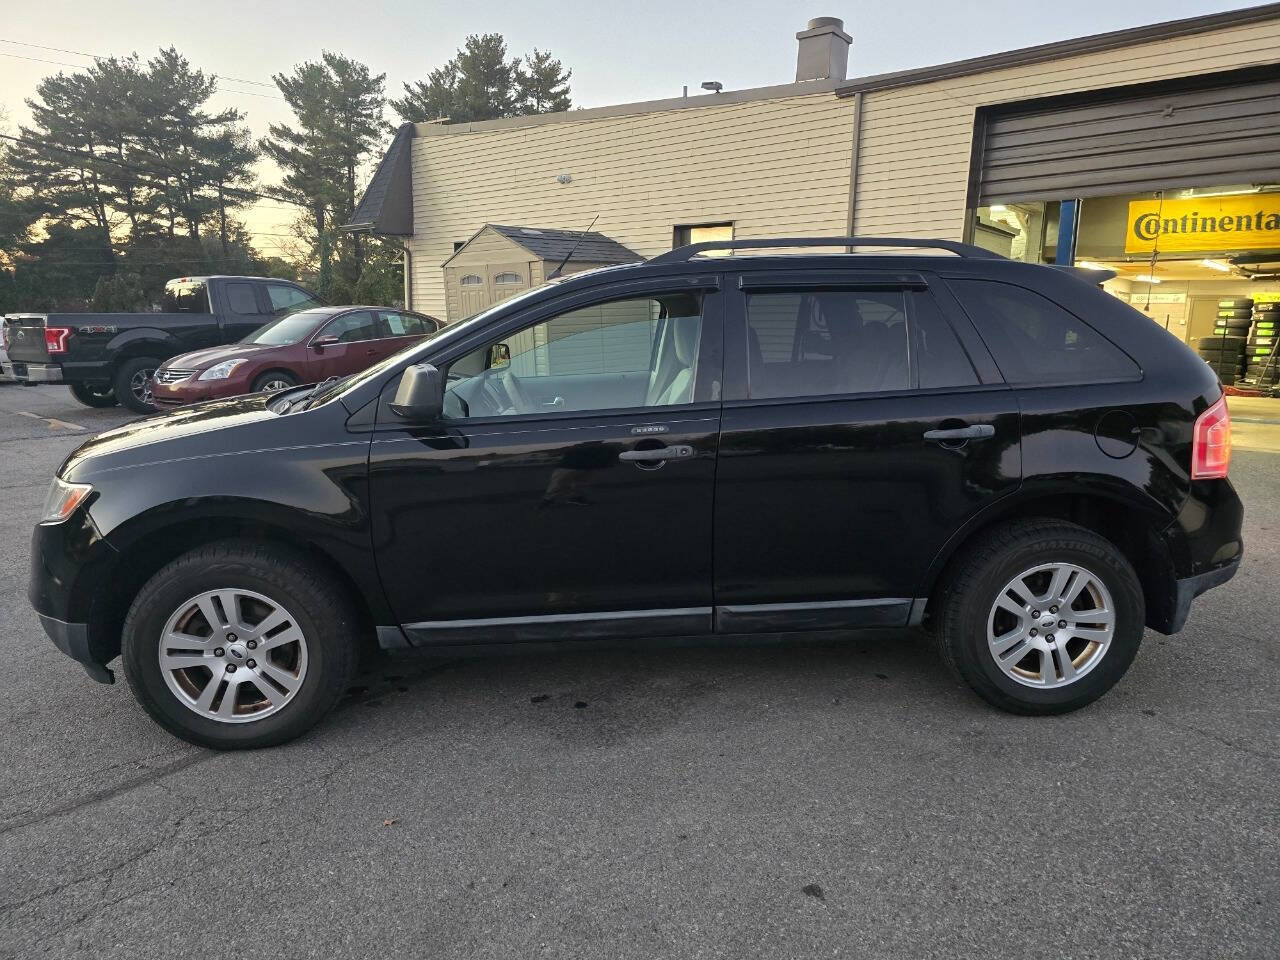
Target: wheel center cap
x=237, y=651
x=1047, y=621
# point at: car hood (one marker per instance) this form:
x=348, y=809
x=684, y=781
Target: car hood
x=214, y=427
x=211, y=356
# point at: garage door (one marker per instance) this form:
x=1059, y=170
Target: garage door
x=1223, y=129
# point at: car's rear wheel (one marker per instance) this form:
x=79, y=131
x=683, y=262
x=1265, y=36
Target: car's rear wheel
x=94, y=394
x=273, y=381
x=133, y=383
x=1040, y=616
x=239, y=644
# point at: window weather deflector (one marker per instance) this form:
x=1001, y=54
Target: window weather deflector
x=964, y=250
x=830, y=280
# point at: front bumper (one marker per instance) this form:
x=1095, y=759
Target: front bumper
x=73, y=640
x=33, y=372
x=169, y=395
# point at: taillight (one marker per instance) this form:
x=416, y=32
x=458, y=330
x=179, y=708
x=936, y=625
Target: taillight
x=55, y=339
x=1211, y=443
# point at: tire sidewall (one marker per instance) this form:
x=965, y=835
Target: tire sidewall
x=171, y=588
x=265, y=378
x=84, y=395
x=1102, y=561
x=124, y=374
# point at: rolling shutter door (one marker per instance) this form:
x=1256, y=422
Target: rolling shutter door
x=1217, y=134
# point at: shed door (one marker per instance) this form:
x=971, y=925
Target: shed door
x=1214, y=130
x=473, y=291
x=507, y=279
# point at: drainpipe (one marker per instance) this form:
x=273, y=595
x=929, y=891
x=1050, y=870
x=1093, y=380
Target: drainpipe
x=408, y=278
x=856, y=149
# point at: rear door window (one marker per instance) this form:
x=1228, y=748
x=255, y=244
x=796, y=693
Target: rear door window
x=1036, y=342
x=403, y=324
x=823, y=342
x=242, y=299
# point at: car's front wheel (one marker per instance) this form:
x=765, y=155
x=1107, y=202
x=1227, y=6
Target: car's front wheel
x=239, y=644
x=1040, y=616
x=273, y=381
x=133, y=383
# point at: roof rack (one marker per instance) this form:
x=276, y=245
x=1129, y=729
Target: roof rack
x=688, y=252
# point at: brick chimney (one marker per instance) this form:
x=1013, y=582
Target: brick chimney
x=824, y=50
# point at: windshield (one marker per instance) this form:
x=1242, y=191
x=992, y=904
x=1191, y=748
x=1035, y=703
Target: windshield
x=287, y=330
x=451, y=330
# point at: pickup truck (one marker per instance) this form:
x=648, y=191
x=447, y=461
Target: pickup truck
x=110, y=358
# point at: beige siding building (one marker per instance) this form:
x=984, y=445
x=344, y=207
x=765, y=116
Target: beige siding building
x=922, y=153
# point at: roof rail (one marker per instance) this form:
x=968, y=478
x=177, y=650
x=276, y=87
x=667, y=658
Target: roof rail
x=688, y=252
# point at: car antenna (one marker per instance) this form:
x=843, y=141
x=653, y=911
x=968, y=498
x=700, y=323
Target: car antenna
x=560, y=266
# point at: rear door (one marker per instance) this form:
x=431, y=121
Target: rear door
x=400, y=329
x=861, y=429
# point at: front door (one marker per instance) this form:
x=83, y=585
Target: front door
x=857, y=438
x=359, y=344
x=568, y=489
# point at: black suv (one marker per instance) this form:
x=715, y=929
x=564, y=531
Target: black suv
x=684, y=448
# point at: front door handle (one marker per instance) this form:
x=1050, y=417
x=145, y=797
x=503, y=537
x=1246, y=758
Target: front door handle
x=979, y=431
x=680, y=451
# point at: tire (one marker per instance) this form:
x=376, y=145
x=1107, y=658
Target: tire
x=93, y=395
x=133, y=383
x=1261, y=325
x=1235, y=303
x=967, y=608
x=266, y=380
x=318, y=667
x=1271, y=308
x=1218, y=343
x=1242, y=313
x=1239, y=323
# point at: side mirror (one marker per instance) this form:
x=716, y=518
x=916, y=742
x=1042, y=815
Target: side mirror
x=420, y=395
x=499, y=355
x=320, y=343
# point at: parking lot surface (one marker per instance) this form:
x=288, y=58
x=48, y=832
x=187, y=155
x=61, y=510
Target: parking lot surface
x=842, y=796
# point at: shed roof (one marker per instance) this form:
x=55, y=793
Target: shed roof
x=548, y=243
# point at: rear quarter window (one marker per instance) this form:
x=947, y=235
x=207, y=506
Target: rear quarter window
x=1034, y=341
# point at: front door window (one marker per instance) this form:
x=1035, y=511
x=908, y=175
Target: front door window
x=633, y=353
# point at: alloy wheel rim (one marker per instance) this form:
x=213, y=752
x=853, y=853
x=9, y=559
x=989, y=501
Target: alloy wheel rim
x=140, y=385
x=1051, y=625
x=233, y=656
x=274, y=386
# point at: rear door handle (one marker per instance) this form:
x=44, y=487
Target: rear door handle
x=979, y=431
x=680, y=451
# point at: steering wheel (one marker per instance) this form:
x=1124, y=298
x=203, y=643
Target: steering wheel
x=520, y=399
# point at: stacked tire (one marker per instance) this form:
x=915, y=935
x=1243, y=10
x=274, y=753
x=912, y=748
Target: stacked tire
x=1262, y=350
x=1225, y=350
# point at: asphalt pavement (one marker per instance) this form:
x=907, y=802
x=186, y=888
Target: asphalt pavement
x=838, y=797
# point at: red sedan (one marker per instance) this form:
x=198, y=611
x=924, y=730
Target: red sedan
x=304, y=347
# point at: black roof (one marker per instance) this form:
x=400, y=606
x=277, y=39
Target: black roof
x=387, y=204
x=546, y=243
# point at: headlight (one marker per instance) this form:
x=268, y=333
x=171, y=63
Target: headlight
x=222, y=370
x=63, y=499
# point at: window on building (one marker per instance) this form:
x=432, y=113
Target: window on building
x=242, y=299
x=472, y=280
x=508, y=278
x=702, y=232
x=823, y=342
x=1034, y=341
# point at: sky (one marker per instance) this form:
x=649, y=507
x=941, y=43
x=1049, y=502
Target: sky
x=619, y=53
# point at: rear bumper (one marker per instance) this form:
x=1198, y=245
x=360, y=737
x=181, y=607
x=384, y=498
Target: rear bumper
x=1189, y=588
x=33, y=372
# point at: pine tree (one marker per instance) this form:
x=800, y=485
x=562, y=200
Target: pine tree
x=337, y=106
x=542, y=84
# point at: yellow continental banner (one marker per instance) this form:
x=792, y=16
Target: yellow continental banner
x=1204, y=224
